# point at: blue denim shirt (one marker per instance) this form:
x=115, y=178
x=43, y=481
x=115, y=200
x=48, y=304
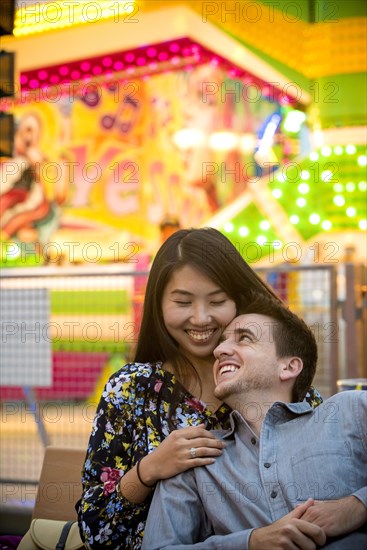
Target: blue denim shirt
x=301, y=453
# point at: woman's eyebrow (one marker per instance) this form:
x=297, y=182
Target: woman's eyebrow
x=187, y=293
x=179, y=291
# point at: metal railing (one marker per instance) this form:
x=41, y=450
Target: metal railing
x=94, y=318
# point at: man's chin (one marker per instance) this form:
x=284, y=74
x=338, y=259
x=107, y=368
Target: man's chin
x=222, y=391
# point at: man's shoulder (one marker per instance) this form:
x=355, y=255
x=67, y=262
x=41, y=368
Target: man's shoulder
x=347, y=396
x=344, y=401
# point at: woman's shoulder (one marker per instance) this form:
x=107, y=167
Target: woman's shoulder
x=131, y=373
x=130, y=383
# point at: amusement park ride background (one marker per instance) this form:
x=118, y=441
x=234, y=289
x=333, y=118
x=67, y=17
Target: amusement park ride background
x=197, y=123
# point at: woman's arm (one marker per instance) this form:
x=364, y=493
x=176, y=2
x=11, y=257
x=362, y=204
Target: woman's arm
x=106, y=518
x=170, y=458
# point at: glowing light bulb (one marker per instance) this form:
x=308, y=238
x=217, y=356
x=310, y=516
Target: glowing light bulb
x=261, y=240
x=64, y=70
x=303, y=188
x=277, y=193
x=188, y=137
x=228, y=227
x=106, y=62
x=351, y=211
x=338, y=188
x=362, y=225
x=339, y=200
x=42, y=75
x=223, y=141
x=350, y=186
x=314, y=219
x=362, y=160
x=326, y=224
x=294, y=219
x=305, y=175
x=326, y=175
x=314, y=156
x=294, y=120
x=243, y=231
x=151, y=52
x=264, y=225
x=338, y=150
x=326, y=151
x=174, y=47
x=301, y=202
x=350, y=149
x=362, y=186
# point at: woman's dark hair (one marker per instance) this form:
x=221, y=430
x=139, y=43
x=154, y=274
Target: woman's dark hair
x=292, y=338
x=211, y=253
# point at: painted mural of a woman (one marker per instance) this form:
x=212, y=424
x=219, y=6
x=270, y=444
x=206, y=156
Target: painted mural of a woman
x=26, y=212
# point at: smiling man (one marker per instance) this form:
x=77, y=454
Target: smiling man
x=291, y=477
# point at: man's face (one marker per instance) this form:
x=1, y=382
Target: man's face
x=246, y=358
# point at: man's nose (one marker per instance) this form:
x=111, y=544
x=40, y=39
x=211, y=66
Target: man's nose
x=223, y=349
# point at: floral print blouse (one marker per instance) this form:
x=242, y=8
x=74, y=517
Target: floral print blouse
x=130, y=422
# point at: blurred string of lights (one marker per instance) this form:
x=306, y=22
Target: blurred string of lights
x=325, y=192
x=225, y=140
x=78, y=77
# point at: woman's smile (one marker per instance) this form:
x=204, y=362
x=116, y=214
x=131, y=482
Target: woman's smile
x=200, y=335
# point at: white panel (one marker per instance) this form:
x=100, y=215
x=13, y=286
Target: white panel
x=26, y=355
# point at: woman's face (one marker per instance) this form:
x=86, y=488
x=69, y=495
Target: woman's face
x=195, y=311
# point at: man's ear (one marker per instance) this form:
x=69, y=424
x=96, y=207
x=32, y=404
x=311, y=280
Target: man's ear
x=291, y=367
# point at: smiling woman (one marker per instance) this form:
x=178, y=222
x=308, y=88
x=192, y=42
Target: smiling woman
x=155, y=414
x=195, y=310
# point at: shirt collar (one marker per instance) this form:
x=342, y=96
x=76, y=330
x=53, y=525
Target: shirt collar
x=277, y=408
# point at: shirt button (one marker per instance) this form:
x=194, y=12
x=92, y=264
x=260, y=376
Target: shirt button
x=253, y=441
x=267, y=464
x=273, y=494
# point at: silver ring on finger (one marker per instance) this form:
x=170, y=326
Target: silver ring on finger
x=193, y=452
